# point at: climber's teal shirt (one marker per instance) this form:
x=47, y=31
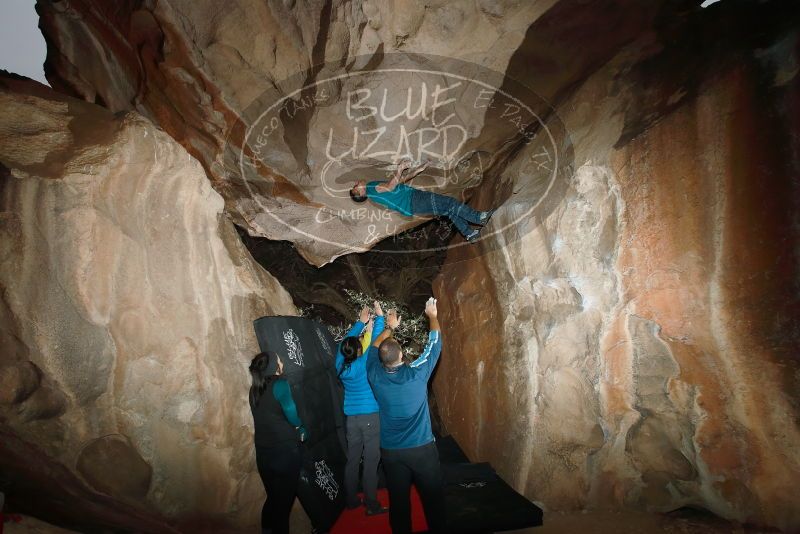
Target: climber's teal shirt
x=398, y=199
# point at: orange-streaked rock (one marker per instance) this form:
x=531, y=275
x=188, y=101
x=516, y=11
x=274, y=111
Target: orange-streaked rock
x=658, y=302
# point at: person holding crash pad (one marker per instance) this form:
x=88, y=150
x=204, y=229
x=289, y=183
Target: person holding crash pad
x=278, y=434
x=408, y=450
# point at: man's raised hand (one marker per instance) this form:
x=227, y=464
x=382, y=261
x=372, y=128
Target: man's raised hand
x=430, y=308
x=368, y=328
x=392, y=319
x=377, y=308
x=364, y=316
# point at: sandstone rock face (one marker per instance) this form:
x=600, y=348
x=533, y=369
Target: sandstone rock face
x=205, y=72
x=637, y=346
x=633, y=343
x=127, y=300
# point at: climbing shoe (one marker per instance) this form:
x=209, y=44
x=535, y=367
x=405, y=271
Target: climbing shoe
x=486, y=215
x=473, y=236
x=376, y=509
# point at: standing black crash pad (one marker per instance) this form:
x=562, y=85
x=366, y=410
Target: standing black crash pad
x=308, y=351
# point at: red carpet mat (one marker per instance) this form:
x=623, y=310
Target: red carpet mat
x=357, y=522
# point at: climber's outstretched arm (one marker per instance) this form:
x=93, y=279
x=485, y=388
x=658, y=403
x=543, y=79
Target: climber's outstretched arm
x=416, y=172
x=396, y=178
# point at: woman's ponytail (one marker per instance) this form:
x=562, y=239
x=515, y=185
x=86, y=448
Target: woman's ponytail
x=351, y=349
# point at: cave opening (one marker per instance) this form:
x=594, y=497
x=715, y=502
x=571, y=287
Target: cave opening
x=394, y=270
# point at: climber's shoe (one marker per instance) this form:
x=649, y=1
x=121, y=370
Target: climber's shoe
x=472, y=236
x=486, y=215
x=375, y=509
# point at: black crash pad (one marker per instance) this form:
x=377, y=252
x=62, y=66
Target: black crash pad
x=307, y=350
x=478, y=500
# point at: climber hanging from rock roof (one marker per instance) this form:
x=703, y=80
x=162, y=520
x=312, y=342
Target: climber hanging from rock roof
x=396, y=195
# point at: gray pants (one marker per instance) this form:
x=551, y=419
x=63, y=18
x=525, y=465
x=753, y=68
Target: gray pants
x=363, y=435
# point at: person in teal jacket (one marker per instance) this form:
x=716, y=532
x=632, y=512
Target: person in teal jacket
x=361, y=411
x=397, y=196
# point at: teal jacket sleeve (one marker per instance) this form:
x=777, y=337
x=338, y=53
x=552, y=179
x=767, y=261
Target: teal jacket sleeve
x=378, y=326
x=283, y=394
x=429, y=356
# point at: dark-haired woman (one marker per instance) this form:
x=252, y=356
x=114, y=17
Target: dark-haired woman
x=361, y=409
x=278, y=433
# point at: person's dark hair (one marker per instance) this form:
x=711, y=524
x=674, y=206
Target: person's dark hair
x=351, y=349
x=390, y=351
x=262, y=370
x=357, y=198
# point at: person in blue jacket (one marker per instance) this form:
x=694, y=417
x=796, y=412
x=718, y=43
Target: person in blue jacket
x=396, y=195
x=278, y=434
x=408, y=450
x=361, y=411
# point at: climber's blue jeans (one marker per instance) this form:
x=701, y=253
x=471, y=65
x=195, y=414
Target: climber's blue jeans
x=428, y=203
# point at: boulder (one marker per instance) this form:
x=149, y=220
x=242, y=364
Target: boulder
x=625, y=332
x=127, y=302
x=215, y=77
x=636, y=345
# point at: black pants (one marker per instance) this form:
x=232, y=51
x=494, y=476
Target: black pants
x=363, y=436
x=419, y=465
x=279, y=468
